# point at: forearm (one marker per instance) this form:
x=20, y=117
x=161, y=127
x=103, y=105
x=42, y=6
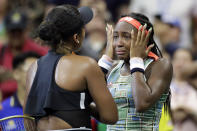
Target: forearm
x=140, y=89
x=105, y=64
x=141, y=92
x=150, y=85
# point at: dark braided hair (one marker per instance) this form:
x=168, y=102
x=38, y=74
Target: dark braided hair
x=144, y=20
x=60, y=23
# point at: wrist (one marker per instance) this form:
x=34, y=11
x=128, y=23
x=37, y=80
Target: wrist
x=105, y=62
x=109, y=55
x=136, y=65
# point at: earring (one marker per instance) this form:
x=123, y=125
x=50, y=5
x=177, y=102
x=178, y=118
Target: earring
x=77, y=41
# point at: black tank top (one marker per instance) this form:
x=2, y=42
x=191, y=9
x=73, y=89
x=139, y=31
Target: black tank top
x=47, y=98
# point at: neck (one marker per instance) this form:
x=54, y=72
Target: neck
x=64, y=49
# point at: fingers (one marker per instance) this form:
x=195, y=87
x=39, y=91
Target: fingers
x=132, y=38
x=142, y=35
x=109, y=49
x=149, y=48
x=109, y=30
x=148, y=35
x=143, y=32
x=139, y=35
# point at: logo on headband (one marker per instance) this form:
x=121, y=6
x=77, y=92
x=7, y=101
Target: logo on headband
x=128, y=18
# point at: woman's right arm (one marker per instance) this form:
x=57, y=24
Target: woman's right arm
x=29, y=80
x=105, y=105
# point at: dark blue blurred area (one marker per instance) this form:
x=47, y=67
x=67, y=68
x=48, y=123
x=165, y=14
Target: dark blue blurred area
x=60, y=2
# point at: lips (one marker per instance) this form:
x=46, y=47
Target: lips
x=120, y=52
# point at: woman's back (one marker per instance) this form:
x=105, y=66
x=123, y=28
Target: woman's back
x=71, y=72
x=65, y=98
x=61, y=85
x=69, y=93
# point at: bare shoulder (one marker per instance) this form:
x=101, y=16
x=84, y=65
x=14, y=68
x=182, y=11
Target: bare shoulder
x=160, y=69
x=88, y=62
x=162, y=64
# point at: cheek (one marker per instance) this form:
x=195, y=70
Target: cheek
x=127, y=45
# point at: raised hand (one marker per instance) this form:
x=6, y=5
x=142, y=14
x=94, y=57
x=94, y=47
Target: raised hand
x=139, y=43
x=109, y=49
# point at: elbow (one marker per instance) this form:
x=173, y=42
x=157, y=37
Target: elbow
x=115, y=119
x=109, y=117
x=142, y=107
x=109, y=120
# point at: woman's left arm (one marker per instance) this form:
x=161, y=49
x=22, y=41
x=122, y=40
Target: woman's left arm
x=146, y=93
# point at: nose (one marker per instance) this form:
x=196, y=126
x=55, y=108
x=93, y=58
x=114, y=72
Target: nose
x=119, y=42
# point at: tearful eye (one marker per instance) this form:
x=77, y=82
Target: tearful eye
x=128, y=37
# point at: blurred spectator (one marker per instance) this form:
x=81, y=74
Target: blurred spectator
x=117, y=8
x=35, y=10
x=194, y=45
x=184, y=95
x=53, y=3
x=184, y=10
x=167, y=29
x=99, y=7
x=95, y=42
x=61, y=2
x=16, y=23
x=13, y=105
x=3, y=11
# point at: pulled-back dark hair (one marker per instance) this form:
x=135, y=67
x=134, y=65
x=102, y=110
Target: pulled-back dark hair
x=60, y=23
x=144, y=20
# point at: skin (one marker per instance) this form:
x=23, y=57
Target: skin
x=128, y=42
x=70, y=76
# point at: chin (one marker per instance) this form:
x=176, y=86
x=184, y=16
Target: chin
x=122, y=57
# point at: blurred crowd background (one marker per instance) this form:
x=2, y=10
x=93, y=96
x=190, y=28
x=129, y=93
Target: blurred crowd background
x=175, y=26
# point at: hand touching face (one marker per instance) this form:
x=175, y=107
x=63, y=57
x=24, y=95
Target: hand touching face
x=139, y=43
x=130, y=42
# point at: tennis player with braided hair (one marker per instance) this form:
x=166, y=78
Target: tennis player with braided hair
x=61, y=85
x=139, y=83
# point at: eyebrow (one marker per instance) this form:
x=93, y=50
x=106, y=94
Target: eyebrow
x=122, y=32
